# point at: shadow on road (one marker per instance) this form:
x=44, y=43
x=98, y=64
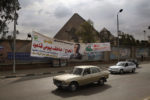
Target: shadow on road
x=84, y=90
x=27, y=78
x=139, y=67
x=127, y=73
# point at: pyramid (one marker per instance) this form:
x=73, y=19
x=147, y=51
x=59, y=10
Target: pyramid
x=67, y=32
x=104, y=32
x=106, y=36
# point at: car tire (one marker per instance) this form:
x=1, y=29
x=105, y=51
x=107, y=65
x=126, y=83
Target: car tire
x=101, y=81
x=111, y=72
x=133, y=70
x=59, y=87
x=121, y=71
x=73, y=86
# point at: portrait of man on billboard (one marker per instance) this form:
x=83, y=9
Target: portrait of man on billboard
x=76, y=54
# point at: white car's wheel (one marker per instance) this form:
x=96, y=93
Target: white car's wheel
x=133, y=70
x=121, y=71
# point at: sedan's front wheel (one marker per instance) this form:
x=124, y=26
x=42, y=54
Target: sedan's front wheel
x=73, y=87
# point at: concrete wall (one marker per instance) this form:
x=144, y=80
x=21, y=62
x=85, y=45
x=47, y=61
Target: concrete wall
x=142, y=51
x=23, y=48
x=124, y=53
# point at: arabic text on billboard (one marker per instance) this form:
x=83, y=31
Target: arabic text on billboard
x=43, y=46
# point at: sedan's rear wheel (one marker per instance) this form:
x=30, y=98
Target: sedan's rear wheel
x=101, y=81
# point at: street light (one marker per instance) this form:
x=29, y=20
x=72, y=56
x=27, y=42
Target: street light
x=144, y=35
x=118, y=30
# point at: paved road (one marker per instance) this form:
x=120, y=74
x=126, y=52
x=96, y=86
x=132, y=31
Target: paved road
x=119, y=87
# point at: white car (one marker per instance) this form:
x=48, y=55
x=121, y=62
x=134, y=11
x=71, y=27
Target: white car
x=122, y=67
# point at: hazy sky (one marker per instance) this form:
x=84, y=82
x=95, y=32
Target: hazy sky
x=49, y=16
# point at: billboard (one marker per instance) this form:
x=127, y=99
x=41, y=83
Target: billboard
x=97, y=47
x=43, y=46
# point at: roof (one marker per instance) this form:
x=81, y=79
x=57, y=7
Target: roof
x=85, y=66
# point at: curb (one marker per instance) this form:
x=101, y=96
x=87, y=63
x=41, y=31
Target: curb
x=34, y=74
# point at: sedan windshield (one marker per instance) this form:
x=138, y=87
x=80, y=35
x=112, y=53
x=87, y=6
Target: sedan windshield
x=77, y=71
x=120, y=64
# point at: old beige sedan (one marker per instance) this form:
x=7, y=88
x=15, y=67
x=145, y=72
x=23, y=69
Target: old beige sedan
x=81, y=75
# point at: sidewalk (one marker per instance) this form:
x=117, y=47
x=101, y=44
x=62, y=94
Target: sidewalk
x=45, y=71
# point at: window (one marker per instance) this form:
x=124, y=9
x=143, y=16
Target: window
x=121, y=64
x=95, y=70
x=131, y=64
x=87, y=71
x=77, y=71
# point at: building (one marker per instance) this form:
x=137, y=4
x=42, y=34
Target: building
x=106, y=36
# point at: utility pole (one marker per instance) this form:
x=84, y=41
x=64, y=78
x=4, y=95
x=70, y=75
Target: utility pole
x=118, y=31
x=144, y=35
x=14, y=35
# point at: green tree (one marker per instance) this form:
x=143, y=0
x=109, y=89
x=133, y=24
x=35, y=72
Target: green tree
x=7, y=12
x=86, y=32
x=127, y=39
x=137, y=42
x=131, y=40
